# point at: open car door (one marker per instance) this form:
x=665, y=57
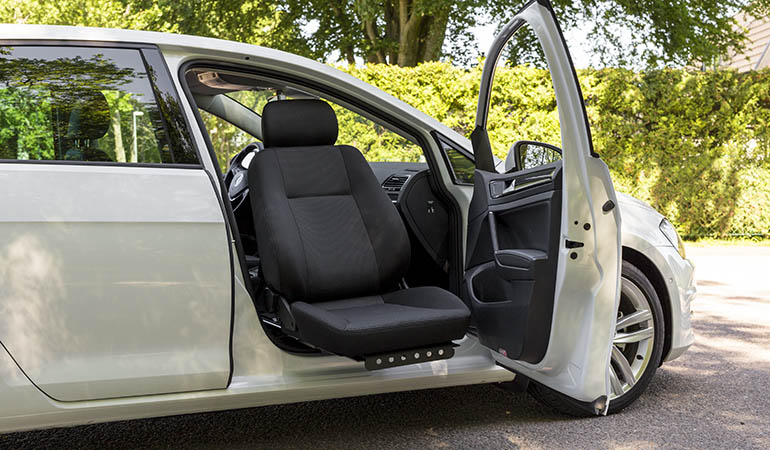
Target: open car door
x=544, y=253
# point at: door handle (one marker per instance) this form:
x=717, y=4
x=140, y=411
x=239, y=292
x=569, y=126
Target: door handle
x=501, y=188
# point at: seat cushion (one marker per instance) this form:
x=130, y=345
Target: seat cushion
x=405, y=319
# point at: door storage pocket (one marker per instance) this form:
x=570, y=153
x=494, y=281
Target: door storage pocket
x=499, y=305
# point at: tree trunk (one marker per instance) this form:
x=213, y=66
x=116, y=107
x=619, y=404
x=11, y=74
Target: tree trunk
x=344, y=21
x=407, y=25
x=420, y=37
x=391, y=31
x=376, y=54
x=120, y=151
x=350, y=56
x=407, y=38
x=434, y=34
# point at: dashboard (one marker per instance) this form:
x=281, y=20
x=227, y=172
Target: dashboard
x=426, y=217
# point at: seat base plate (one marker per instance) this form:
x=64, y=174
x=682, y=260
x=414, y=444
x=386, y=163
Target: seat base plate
x=406, y=357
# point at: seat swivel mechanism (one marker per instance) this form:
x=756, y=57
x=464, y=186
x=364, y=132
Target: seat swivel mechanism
x=406, y=357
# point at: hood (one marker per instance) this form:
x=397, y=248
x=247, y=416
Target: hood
x=626, y=200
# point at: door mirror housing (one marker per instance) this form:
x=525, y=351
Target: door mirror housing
x=529, y=154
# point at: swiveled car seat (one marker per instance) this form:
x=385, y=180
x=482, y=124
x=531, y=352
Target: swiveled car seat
x=333, y=246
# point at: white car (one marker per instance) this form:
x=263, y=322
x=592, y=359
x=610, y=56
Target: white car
x=137, y=280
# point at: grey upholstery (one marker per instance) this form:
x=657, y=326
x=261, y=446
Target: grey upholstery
x=332, y=243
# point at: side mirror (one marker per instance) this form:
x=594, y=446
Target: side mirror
x=528, y=154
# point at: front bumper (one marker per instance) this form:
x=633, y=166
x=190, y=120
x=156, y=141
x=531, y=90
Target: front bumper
x=679, y=275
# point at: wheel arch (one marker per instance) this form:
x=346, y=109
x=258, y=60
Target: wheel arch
x=652, y=273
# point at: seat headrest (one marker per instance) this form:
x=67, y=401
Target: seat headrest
x=89, y=117
x=298, y=123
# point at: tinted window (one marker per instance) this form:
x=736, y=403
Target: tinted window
x=463, y=167
x=82, y=104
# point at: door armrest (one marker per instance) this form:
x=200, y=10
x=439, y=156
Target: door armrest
x=521, y=261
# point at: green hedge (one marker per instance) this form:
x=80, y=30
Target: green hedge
x=695, y=145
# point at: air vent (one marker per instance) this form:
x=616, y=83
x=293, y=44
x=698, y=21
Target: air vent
x=393, y=184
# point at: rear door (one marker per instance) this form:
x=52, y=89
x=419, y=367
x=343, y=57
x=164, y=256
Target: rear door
x=543, y=253
x=115, y=274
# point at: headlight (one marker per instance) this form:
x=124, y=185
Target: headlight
x=669, y=231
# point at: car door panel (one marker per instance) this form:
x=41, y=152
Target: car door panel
x=115, y=280
x=583, y=251
x=512, y=250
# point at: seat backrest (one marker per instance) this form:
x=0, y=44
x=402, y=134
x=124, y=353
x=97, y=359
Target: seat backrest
x=88, y=121
x=325, y=228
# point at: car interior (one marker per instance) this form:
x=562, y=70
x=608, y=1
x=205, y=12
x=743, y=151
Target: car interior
x=343, y=255
x=353, y=258
x=87, y=122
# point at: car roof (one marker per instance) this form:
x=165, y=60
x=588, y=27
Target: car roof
x=173, y=41
x=24, y=32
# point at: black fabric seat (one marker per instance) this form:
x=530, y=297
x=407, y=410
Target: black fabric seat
x=333, y=245
x=381, y=323
x=88, y=122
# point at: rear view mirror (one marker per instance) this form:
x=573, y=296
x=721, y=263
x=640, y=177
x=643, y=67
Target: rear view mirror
x=528, y=154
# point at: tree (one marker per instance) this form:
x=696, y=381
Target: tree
x=408, y=32
x=403, y=32
x=251, y=21
x=660, y=32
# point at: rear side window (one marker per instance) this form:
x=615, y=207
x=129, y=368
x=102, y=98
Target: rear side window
x=82, y=104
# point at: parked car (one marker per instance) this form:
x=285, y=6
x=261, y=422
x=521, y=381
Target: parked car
x=138, y=280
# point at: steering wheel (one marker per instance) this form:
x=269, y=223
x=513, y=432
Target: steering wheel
x=236, y=178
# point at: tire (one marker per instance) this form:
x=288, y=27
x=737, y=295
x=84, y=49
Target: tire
x=642, y=357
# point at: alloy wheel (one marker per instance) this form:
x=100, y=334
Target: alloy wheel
x=632, y=347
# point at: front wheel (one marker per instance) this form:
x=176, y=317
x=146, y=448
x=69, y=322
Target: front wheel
x=636, y=351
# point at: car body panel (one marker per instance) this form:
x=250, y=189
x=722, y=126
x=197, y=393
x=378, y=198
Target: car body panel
x=263, y=375
x=641, y=232
x=116, y=280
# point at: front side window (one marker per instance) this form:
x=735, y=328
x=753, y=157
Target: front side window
x=81, y=104
x=376, y=142
x=524, y=114
x=226, y=139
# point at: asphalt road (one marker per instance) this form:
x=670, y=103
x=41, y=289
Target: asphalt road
x=716, y=396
